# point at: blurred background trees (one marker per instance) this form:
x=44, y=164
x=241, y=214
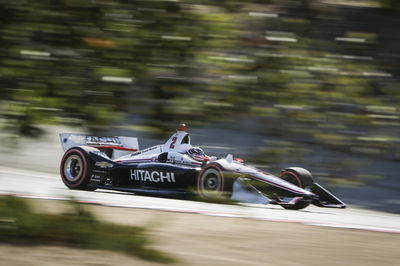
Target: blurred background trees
x=311, y=73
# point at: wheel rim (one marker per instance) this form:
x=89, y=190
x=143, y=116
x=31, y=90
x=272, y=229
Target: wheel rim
x=210, y=184
x=73, y=168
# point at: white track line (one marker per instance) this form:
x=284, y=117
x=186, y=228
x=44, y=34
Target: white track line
x=218, y=213
x=13, y=171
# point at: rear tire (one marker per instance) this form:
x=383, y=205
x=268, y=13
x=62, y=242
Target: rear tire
x=301, y=178
x=75, y=169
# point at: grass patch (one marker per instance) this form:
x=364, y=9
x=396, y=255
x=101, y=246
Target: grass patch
x=78, y=229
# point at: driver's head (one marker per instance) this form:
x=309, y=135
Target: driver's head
x=197, y=154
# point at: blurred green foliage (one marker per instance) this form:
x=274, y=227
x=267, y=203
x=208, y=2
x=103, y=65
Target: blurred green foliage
x=78, y=229
x=320, y=72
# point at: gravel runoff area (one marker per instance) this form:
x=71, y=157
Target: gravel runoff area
x=208, y=240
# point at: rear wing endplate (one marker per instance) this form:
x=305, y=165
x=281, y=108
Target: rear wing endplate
x=69, y=140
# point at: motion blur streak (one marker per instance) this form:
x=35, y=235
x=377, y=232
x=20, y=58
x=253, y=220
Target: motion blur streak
x=299, y=78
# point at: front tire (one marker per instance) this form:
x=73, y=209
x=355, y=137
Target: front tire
x=301, y=178
x=75, y=169
x=212, y=183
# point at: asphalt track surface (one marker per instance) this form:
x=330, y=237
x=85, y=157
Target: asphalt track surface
x=31, y=184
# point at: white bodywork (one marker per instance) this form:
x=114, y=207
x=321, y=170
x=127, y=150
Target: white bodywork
x=176, y=149
x=230, y=164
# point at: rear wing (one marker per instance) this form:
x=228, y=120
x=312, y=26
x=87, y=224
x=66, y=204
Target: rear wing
x=119, y=143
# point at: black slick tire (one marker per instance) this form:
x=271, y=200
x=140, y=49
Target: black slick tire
x=75, y=169
x=212, y=183
x=301, y=178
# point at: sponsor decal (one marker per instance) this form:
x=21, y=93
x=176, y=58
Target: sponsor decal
x=153, y=176
x=145, y=150
x=103, y=164
x=92, y=140
x=99, y=171
x=95, y=177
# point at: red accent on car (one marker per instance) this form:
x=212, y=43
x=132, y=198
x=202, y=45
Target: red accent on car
x=239, y=160
x=204, y=158
x=182, y=127
x=200, y=158
x=112, y=147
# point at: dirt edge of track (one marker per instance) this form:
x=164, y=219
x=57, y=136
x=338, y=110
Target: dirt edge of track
x=206, y=240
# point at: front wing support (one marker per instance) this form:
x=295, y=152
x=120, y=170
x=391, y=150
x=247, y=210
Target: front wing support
x=325, y=198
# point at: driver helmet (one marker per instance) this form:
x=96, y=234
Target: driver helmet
x=197, y=154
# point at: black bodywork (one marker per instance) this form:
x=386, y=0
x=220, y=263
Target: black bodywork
x=89, y=168
x=145, y=178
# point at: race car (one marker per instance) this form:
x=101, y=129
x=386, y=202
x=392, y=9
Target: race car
x=178, y=169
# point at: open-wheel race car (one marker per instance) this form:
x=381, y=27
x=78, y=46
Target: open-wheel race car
x=176, y=168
